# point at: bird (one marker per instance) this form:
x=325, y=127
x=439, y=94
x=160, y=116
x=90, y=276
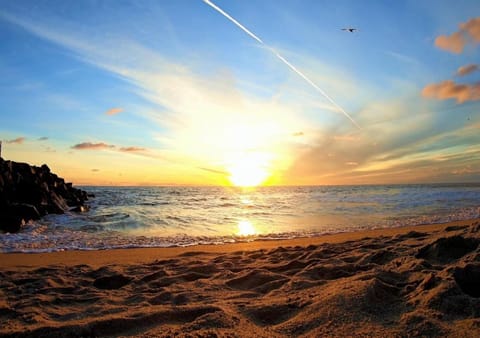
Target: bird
x=351, y=30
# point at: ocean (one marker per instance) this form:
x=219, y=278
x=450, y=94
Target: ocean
x=128, y=217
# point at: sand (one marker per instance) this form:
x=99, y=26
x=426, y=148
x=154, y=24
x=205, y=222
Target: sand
x=403, y=282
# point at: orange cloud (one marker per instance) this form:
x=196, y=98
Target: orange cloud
x=451, y=90
x=18, y=140
x=92, y=146
x=114, y=111
x=472, y=28
x=455, y=42
x=465, y=70
x=131, y=149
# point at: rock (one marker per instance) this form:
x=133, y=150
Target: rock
x=25, y=211
x=57, y=205
x=45, y=168
x=29, y=192
x=11, y=223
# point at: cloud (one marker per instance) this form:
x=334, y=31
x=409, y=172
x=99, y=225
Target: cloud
x=114, y=111
x=215, y=171
x=455, y=43
x=131, y=149
x=468, y=69
x=18, y=140
x=463, y=171
x=450, y=90
x=472, y=28
x=92, y=146
x=197, y=109
x=43, y=138
x=284, y=60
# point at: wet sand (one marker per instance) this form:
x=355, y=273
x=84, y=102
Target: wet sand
x=411, y=281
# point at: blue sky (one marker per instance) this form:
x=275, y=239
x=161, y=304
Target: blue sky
x=173, y=92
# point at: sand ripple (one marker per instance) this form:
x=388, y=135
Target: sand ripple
x=415, y=284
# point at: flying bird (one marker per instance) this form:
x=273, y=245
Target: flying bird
x=351, y=30
x=281, y=58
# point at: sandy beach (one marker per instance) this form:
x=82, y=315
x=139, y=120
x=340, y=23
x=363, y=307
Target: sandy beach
x=409, y=281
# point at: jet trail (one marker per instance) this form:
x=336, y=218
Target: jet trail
x=285, y=61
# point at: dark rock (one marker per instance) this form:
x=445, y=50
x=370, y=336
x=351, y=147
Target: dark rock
x=25, y=211
x=29, y=192
x=45, y=168
x=11, y=223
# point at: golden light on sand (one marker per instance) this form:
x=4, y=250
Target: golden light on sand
x=246, y=228
x=249, y=170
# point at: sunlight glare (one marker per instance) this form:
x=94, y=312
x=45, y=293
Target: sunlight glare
x=249, y=170
x=245, y=228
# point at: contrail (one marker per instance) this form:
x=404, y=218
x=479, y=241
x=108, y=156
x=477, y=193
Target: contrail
x=285, y=61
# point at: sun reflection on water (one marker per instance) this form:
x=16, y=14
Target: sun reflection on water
x=245, y=200
x=246, y=228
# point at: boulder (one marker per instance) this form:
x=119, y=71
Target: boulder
x=29, y=192
x=11, y=223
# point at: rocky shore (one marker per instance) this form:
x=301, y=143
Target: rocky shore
x=30, y=192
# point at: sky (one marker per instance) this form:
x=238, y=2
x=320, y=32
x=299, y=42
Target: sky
x=242, y=92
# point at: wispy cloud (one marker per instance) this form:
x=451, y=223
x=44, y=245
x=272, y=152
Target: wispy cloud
x=215, y=171
x=114, y=111
x=131, y=149
x=18, y=140
x=468, y=69
x=104, y=146
x=451, y=90
x=92, y=146
x=455, y=43
x=203, y=118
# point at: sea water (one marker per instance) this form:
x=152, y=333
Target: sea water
x=127, y=217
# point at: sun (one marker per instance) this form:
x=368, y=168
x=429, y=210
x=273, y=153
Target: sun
x=249, y=170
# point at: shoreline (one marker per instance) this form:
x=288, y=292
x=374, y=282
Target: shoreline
x=414, y=281
x=101, y=257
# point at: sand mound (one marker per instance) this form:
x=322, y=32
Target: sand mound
x=447, y=249
x=416, y=284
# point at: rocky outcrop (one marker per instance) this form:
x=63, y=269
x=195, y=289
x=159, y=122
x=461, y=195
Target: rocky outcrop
x=29, y=192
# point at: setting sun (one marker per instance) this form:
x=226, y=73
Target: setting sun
x=249, y=170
